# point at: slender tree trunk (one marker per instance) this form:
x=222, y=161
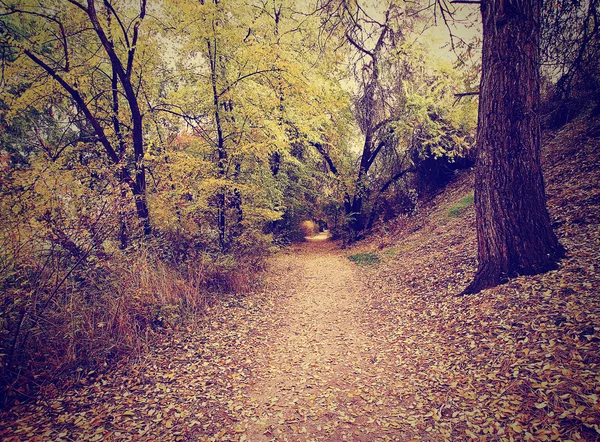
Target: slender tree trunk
x=123, y=233
x=123, y=73
x=139, y=180
x=354, y=210
x=141, y=200
x=514, y=234
x=221, y=152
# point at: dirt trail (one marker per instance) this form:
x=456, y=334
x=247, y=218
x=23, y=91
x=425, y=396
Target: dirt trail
x=317, y=368
x=301, y=361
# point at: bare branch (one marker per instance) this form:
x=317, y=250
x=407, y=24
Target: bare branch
x=466, y=94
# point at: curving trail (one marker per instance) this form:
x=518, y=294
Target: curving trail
x=316, y=375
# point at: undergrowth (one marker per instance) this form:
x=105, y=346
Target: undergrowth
x=456, y=209
x=365, y=258
x=63, y=318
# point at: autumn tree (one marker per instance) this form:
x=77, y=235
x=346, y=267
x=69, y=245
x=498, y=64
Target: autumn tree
x=89, y=54
x=253, y=95
x=514, y=233
x=397, y=97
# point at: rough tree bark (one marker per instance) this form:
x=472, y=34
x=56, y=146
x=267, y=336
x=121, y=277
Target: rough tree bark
x=514, y=234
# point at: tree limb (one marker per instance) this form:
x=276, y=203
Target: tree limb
x=374, y=154
x=63, y=34
x=359, y=47
x=466, y=94
x=136, y=27
x=243, y=77
x=74, y=93
x=121, y=25
x=79, y=5
x=395, y=178
x=325, y=156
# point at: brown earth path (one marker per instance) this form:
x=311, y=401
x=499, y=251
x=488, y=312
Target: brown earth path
x=298, y=361
x=319, y=374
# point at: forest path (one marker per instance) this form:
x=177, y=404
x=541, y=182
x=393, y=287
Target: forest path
x=317, y=371
x=301, y=360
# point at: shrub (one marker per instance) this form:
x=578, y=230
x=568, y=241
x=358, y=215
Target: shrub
x=61, y=316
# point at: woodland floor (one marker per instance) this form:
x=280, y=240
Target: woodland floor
x=331, y=350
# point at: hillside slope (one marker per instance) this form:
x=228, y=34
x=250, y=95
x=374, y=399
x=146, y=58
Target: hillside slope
x=521, y=360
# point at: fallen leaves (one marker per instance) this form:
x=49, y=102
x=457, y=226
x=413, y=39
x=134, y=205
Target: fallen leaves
x=518, y=361
x=390, y=354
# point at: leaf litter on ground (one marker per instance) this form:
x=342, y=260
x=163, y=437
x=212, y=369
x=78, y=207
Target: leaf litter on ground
x=334, y=351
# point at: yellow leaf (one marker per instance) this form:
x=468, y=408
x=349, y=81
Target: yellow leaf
x=471, y=434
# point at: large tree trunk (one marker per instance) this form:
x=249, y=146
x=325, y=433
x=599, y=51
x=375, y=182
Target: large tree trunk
x=514, y=235
x=357, y=219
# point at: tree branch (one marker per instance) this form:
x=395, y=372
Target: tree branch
x=243, y=77
x=131, y=52
x=121, y=25
x=98, y=129
x=385, y=187
x=63, y=34
x=74, y=93
x=395, y=178
x=359, y=47
x=374, y=154
x=466, y=94
x=79, y=5
x=325, y=156
x=383, y=123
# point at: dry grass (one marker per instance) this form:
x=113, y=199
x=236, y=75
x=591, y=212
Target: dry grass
x=105, y=311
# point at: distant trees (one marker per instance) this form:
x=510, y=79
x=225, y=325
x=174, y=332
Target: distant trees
x=570, y=57
x=252, y=94
x=401, y=103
